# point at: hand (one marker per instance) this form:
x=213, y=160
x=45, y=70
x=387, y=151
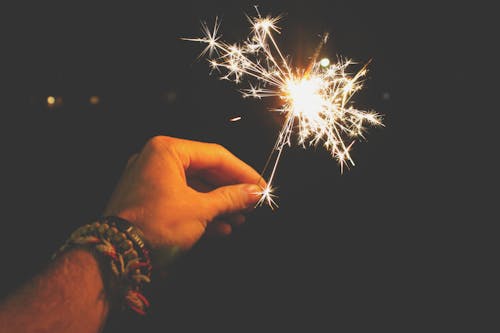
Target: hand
x=175, y=189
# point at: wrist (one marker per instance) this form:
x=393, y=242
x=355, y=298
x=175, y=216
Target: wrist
x=131, y=217
x=123, y=255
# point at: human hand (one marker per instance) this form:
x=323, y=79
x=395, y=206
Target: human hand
x=174, y=190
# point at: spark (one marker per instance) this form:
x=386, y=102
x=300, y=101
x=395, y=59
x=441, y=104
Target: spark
x=316, y=101
x=267, y=196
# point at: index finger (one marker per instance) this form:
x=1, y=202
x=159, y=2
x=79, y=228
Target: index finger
x=214, y=163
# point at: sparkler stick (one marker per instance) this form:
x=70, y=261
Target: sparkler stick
x=315, y=101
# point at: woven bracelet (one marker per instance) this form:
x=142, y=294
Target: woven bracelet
x=119, y=241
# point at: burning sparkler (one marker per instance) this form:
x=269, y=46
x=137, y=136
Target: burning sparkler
x=315, y=100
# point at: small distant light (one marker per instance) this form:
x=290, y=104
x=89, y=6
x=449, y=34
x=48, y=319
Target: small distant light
x=235, y=119
x=94, y=100
x=54, y=101
x=324, y=62
x=386, y=96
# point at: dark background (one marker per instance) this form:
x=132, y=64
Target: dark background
x=390, y=245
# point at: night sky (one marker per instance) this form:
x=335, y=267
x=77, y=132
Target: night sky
x=386, y=246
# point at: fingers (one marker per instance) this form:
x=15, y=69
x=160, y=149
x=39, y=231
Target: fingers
x=236, y=219
x=231, y=199
x=224, y=226
x=219, y=229
x=214, y=162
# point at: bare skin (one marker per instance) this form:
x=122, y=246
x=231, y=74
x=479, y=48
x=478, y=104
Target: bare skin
x=175, y=191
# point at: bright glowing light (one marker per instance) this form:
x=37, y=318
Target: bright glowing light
x=51, y=100
x=304, y=97
x=316, y=101
x=324, y=62
x=235, y=119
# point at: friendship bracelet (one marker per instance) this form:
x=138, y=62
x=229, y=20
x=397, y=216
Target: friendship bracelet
x=122, y=243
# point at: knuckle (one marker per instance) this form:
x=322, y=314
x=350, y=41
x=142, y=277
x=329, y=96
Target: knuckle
x=154, y=141
x=220, y=151
x=158, y=142
x=218, y=147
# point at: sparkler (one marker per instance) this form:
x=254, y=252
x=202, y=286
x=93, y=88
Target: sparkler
x=315, y=101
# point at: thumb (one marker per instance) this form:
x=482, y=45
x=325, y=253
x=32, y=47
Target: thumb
x=232, y=198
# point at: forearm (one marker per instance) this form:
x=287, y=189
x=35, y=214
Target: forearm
x=68, y=297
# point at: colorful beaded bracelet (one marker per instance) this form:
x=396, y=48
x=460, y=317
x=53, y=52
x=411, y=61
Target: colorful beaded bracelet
x=118, y=240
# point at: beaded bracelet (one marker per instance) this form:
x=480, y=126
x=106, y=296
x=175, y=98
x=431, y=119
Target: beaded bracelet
x=130, y=263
